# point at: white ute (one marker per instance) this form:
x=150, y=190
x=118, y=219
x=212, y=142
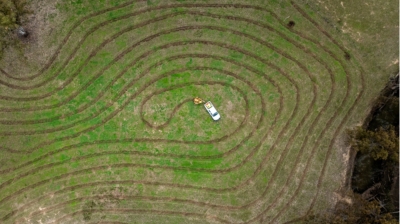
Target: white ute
x=212, y=111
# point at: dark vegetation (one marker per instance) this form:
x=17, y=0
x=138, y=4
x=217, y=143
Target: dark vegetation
x=11, y=22
x=375, y=184
x=380, y=144
x=347, y=56
x=376, y=168
x=291, y=24
x=359, y=211
x=88, y=210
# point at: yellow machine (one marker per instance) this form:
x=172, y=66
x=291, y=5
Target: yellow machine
x=198, y=100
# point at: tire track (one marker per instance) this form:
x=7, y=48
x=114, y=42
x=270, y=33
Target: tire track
x=212, y=28
x=99, y=112
x=229, y=60
x=351, y=110
x=329, y=123
x=83, y=108
x=178, y=57
x=73, y=174
x=65, y=40
x=239, y=187
x=346, y=117
x=92, y=54
x=287, y=123
x=108, y=40
x=161, y=126
x=305, y=15
x=175, y=14
x=101, y=167
x=340, y=127
x=192, y=55
x=132, y=64
x=144, y=211
x=336, y=133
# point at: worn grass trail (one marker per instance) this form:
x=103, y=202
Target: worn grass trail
x=106, y=131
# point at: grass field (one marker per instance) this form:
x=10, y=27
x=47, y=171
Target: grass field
x=106, y=130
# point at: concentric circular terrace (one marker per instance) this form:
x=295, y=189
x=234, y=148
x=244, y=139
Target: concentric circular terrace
x=106, y=131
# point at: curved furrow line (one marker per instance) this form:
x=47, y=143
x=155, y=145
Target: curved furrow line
x=304, y=143
x=101, y=72
x=57, y=52
x=123, y=165
x=108, y=40
x=110, y=104
x=337, y=132
x=169, y=73
x=209, y=83
x=346, y=117
x=323, y=133
x=91, y=184
x=123, y=197
x=305, y=15
x=191, y=99
x=302, y=148
x=93, y=53
x=256, y=172
x=113, y=166
x=65, y=40
x=161, y=126
x=340, y=127
x=81, y=144
x=287, y=205
x=37, y=169
x=358, y=98
x=144, y=211
x=265, y=160
x=125, y=89
x=219, y=206
x=208, y=27
x=225, y=207
x=281, y=133
x=91, y=31
x=132, y=64
x=181, y=200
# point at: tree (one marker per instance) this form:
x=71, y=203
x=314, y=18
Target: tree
x=380, y=144
x=11, y=12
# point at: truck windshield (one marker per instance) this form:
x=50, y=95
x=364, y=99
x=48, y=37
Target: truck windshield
x=215, y=114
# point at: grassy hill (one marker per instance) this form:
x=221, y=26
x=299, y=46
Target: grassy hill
x=100, y=127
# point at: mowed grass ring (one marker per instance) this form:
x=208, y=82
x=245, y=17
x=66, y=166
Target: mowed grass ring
x=107, y=131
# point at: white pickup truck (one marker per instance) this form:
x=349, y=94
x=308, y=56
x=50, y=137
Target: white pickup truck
x=212, y=111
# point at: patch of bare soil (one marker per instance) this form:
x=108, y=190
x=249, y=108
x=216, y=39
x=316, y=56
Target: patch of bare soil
x=36, y=49
x=347, y=158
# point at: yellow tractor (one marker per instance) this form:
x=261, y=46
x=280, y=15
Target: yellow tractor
x=198, y=100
